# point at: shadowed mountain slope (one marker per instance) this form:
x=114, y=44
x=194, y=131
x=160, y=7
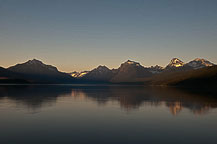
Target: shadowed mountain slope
x=36, y=71
x=129, y=71
x=206, y=76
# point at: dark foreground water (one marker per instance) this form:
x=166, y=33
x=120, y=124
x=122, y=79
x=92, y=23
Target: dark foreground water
x=106, y=114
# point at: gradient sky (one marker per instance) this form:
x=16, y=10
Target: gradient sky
x=82, y=34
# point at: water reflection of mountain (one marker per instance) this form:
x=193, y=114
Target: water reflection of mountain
x=133, y=97
x=129, y=97
x=33, y=97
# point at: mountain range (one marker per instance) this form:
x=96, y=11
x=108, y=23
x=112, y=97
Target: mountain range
x=175, y=73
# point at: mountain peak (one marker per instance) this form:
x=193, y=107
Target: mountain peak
x=199, y=63
x=199, y=59
x=175, y=62
x=34, y=61
x=100, y=67
x=33, y=66
x=130, y=62
x=101, y=73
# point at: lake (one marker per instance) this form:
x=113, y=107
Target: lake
x=94, y=114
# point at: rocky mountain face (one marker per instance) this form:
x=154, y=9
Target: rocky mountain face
x=130, y=71
x=36, y=71
x=34, y=67
x=204, y=77
x=99, y=74
x=156, y=69
x=7, y=76
x=199, y=63
x=175, y=63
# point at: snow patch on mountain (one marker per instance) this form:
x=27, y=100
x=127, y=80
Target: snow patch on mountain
x=132, y=63
x=175, y=62
x=156, y=69
x=199, y=63
x=78, y=74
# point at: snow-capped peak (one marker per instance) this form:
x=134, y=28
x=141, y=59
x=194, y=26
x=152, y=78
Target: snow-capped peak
x=132, y=63
x=199, y=63
x=198, y=59
x=175, y=62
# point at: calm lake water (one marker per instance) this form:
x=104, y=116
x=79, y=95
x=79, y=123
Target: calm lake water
x=106, y=114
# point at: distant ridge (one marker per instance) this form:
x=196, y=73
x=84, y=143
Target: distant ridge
x=35, y=71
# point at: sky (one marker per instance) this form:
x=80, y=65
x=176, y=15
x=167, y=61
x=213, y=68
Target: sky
x=77, y=35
